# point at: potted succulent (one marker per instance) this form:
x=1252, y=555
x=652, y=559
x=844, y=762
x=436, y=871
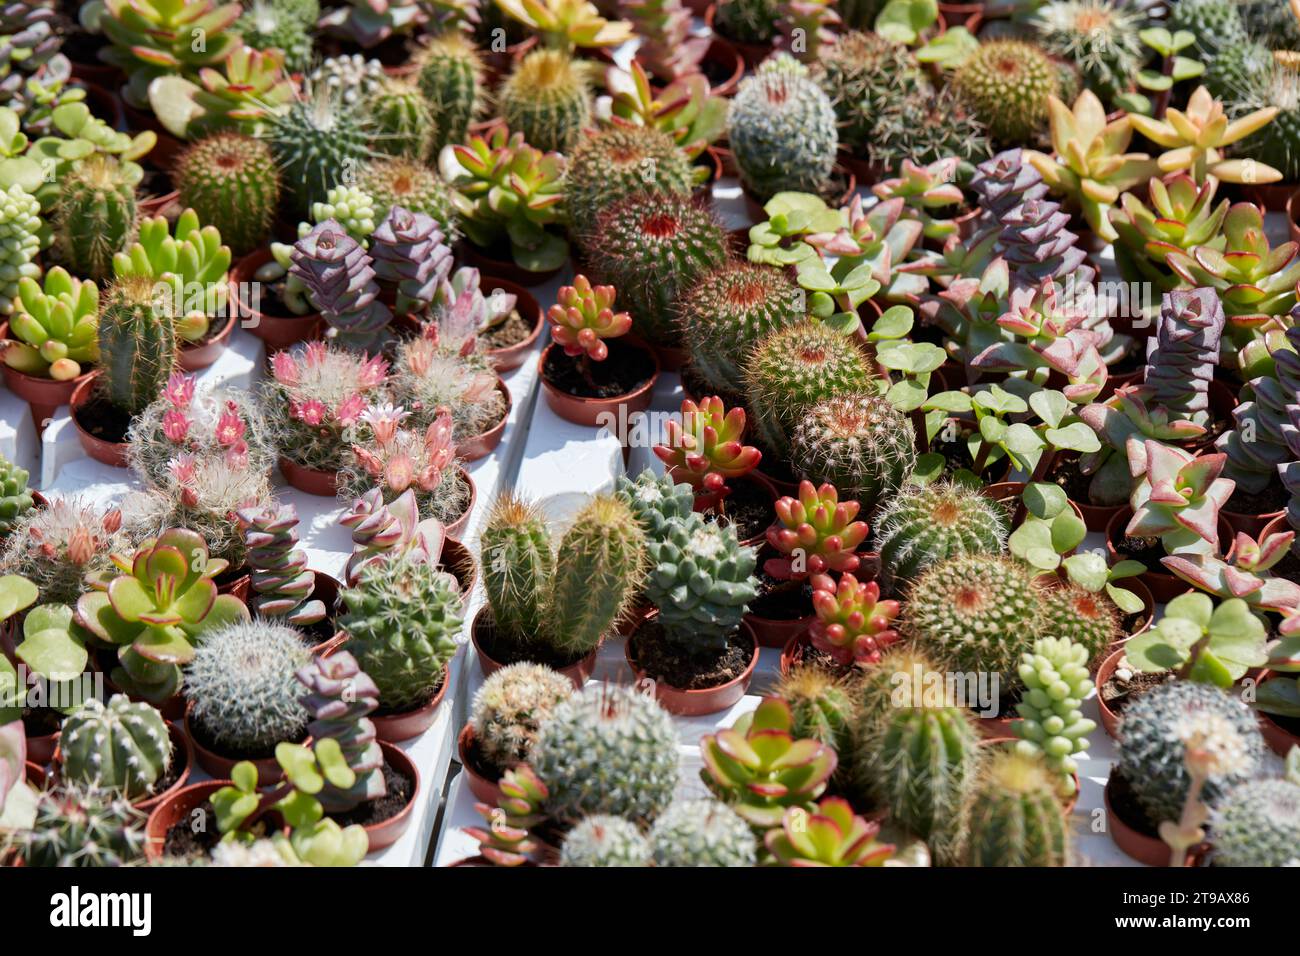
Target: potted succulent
x=386, y=531
x=1278, y=700
x=852, y=627
x=281, y=586
x=686, y=109
x=584, y=379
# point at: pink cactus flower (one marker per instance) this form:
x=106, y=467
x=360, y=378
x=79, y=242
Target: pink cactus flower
x=176, y=425
x=230, y=427
x=179, y=390
x=284, y=368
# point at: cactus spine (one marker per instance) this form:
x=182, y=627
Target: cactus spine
x=703, y=832
x=137, y=345
x=923, y=525
x=604, y=840
x=518, y=565
x=451, y=79
x=316, y=141
x=547, y=99
x=1007, y=83
x=122, y=745
x=1016, y=818
x=1258, y=824
x=403, y=123
x=82, y=825
x=95, y=217
x=861, y=444
x=510, y=708
x=616, y=162
x=232, y=182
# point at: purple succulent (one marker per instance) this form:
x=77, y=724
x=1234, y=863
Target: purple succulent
x=1182, y=355
x=408, y=250
x=340, y=280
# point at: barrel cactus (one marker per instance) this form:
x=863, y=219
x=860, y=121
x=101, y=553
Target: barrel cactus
x=861, y=444
x=1089, y=618
x=605, y=840
x=1257, y=824
x=232, y=182
x=702, y=832
x=396, y=181
x=316, y=141
x=82, y=825
x=1016, y=818
x=404, y=124
x=121, y=745
x=510, y=708
x=612, y=163
x=1008, y=83
x=925, y=524
x=547, y=98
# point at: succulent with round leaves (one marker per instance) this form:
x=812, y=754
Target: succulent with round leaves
x=611, y=164
x=727, y=312
x=923, y=525
x=281, y=583
x=1016, y=818
x=394, y=181
x=162, y=597
x=828, y=834
x=267, y=24
x=1007, y=83
x=655, y=500
x=976, y=612
x=707, y=447
x=853, y=624
x=914, y=753
x=1100, y=37
x=815, y=533
x=610, y=750
x=605, y=840
x=318, y=138
x=1200, y=641
x=701, y=832
x=15, y=497
x=82, y=825
x=403, y=122
x=137, y=345
x=792, y=369
x=121, y=745
x=547, y=99
x=1052, y=726
x=339, y=699
x=451, y=78
x=402, y=619
x=1257, y=824
x=1157, y=729
x=760, y=769
x=701, y=579
x=862, y=444
x=232, y=182
x=389, y=531
x=510, y=708
x=861, y=73
x=242, y=689
x=782, y=130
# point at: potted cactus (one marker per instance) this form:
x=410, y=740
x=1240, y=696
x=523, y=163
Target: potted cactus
x=585, y=380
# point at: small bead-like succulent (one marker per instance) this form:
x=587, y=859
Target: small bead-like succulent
x=707, y=447
x=15, y=497
x=815, y=533
x=1052, y=725
x=853, y=624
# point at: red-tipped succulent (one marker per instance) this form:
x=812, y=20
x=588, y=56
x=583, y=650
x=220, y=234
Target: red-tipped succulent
x=853, y=625
x=707, y=447
x=1178, y=495
x=583, y=317
x=816, y=533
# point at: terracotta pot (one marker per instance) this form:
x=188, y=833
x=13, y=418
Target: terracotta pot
x=104, y=452
x=1292, y=211
x=578, y=672
x=174, y=809
x=395, y=728
x=385, y=834
x=158, y=205
x=457, y=559
x=195, y=357
x=454, y=528
x=181, y=750
x=724, y=55
x=219, y=766
x=513, y=356
x=1279, y=739
x=1252, y=524
x=310, y=480
x=481, y=445
x=708, y=700
x=671, y=358
x=99, y=74
x=487, y=264
x=777, y=632
x=41, y=749
x=1109, y=719
x=43, y=395
x=1163, y=585
x=751, y=53
x=996, y=728
x=36, y=774
x=711, y=160
x=1271, y=197
x=276, y=331
x=238, y=586
x=1150, y=850
x=484, y=789
x=587, y=411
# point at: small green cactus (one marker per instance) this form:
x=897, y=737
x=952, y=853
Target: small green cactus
x=1007, y=83
x=121, y=745
x=137, y=345
x=862, y=74
x=604, y=840
x=15, y=497
x=404, y=125
x=95, y=217
x=316, y=141
x=232, y=182
x=82, y=825
x=394, y=181
x=1016, y=818
x=616, y=162
x=923, y=525
x=655, y=500
x=451, y=78
x=510, y=708
x=518, y=565
x=1089, y=618
x=702, y=832
x=1257, y=824
x=547, y=99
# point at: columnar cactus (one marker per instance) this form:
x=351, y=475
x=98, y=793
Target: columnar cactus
x=727, y=312
x=1056, y=680
x=403, y=123
x=822, y=707
x=510, y=708
x=1257, y=824
x=861, y=444
x=655, y=500
x=137, y=345
x=402, y=619
x=605, y=840
x=281, y=582
x=451, y=79
x=607, y=749
x=518, y=563
x=815, y=533
x=547, y=98
x=1156, y=731
x=923, y=525
x=702, y=579
x=339, y=699
x=782, y=129
x=853, y=624
x=242, y=688
x=409, y=251
x=95, y=216
x=15, y=497
x=1016, y=818
x=1180, y=366
x=701, y=832
x=793, y=369
x=120, y=745
x=619, y=161
x=341, y=282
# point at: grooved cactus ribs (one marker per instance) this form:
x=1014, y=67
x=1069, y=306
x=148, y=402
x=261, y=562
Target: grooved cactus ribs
x=1257, y=824
x=619, y=161
x=510, y=708
x=1007, y=83
x=1016, y=818
x=137, y=345
x=121, y=745
x=232, y=182
x=548, y=99
x=451, y=78
x=924, y=525
x=94, y=219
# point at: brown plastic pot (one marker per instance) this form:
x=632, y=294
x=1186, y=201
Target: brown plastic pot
x=278, y=332
x=173, y=809
x=1164, y=586
x=237, y=586
x=194, y=357
x=588, y=411
x=104, y=452
x=1149, y=850
x=694, y=703
x=1271, y=197
x=43, y=395
x=512, y=356
x=578, y=672
x=1252, y=524
x=158, y=205
x=386, y=833
x=751, y=53
x=1279, y=739
x=710, y=501
x=310, y=480
x=487, y=264
x=457, y=560
x=723, y=53
x=711, y=160
x=481, y=445
x=219, y=766
x=778, y=632
x=489, y=791
x=671, y=358
x=1109, y=719
x=396, y=728
x=454, y=528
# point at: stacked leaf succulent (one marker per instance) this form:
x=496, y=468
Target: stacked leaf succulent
x=281, y=583
x=339, y=699
x=119, y=745
x=409, y=253
x=340, y=279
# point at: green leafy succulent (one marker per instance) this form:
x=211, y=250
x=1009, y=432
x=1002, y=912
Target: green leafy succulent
x=1202, y=642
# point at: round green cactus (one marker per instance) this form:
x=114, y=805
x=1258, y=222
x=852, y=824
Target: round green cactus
x=862, y=74
x=451, y=79
x=83, y=825
x=607, y=749
x=782, y=130
x=794, y=368
x=394, y=181
x=1156, y=729
x=702, y=832
x=605, y=840
x=510, y=708
x=728, y=311
x=619, y=161
x=861, y=444
x=1100, y=37
x=1007, y=83
x=95, y=217
x=1257, y=824
x=547, y=99
x=1089, y=618
x=1217, y=24
x=242, y=689
x=976, y=612
x=404, y=125
x=232, y=182
x=1234, y=69
x=402, y=619
x=122, y=745
x=316, y=141
x=822, y=708
x=268, y=24
x=923, y=525
x=1016, y=818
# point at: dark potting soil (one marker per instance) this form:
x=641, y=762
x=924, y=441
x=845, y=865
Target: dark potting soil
x=748, y=508
x=694, y=384
x=101, y=419
x=510, y=332
x=1288, y=568
x=504, y=652
x=1146, y=551
x=623, y=371
x=271, y=301
x=203, y=737
x=956, y=453
x=781, y=600
x=156, y=182
x=215, y=328
x=716, y=72
x=400, y=790
x=1118, y=693
x=41, y=721
x=1272, y=498
x=1125, y=803
x=383, y=711
x=1130, y=624
x=662, y=661
x=1065, y=474
x=175, y=767
x=189, y=838
x=814, y=657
